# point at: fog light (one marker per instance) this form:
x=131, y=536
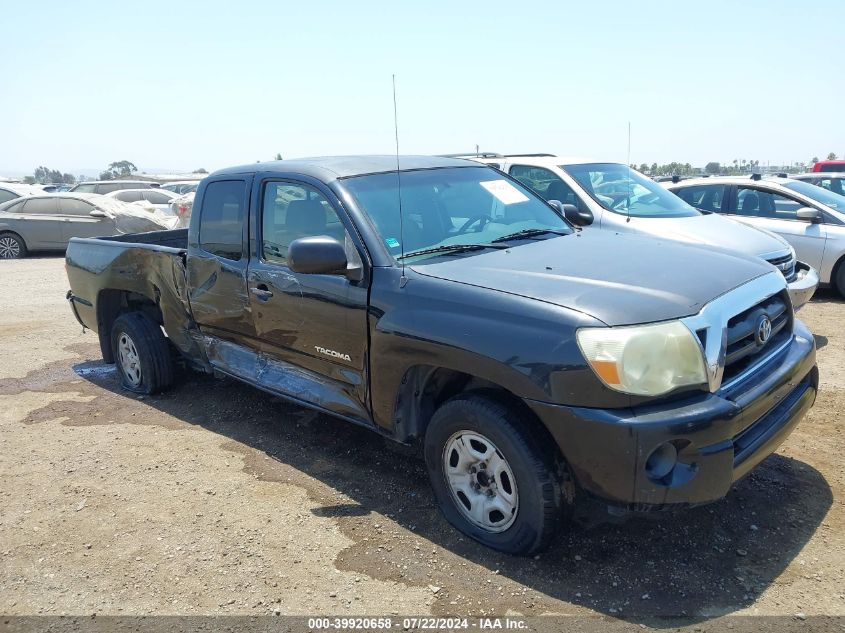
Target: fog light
x=661, y=461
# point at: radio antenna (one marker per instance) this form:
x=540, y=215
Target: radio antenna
x=402, y=279
x=628, y=163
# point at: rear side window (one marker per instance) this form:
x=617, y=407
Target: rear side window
x=156, y=197
x=128, y=196
x=108, y=188
x=41, y=206
x=89, y=188
x=222, y=219
x=833, y=167
x=5, y=196
x=703, y=197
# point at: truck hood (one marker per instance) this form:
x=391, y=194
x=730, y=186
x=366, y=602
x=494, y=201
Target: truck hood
x=713, y=230
x=618, y=279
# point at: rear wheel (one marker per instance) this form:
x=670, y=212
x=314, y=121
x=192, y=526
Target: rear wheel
x=493, y=479
x=141, y=353
x=12, y=246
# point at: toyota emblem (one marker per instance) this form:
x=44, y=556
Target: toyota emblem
x=764, y=330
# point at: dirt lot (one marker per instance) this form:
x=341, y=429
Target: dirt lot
x=216, y=498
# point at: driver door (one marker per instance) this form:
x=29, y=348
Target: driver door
x=317, y=323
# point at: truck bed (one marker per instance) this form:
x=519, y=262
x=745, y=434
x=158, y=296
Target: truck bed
x=109, y=274
x=175, y=238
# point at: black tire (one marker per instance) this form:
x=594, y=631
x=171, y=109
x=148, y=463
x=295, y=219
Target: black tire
x=12, y=246
x=539, y=511
x=152, y=365
x=840, y=279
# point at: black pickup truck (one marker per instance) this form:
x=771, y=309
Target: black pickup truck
x=440, y=302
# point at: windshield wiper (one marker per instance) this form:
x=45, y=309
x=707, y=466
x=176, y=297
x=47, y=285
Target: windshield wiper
x=451, y=248
x=528, y=233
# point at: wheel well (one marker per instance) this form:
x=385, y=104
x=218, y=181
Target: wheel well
x=17, y=235
x=424, y=388
x=111, y=304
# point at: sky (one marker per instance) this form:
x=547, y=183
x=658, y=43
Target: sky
x=178, y=85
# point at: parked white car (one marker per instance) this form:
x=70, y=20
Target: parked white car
x=612, y=196
x=181, y=207
x=809, y=217
x=157, y=198
x=12, y=190
x=182, y=187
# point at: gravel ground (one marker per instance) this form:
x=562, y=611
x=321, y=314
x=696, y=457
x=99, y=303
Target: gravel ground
x=216, y=498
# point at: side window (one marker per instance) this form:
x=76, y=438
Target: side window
x=704, y=197
x=222, y=219
x=15, y=207
x=71, y=206
x=5, y=196
x=291, y=211
x=128, y=196
x=831, y=184
x=156, y=197
x=766, y=204
x=89, y=188
x=108, y=188
x=40, y=206
x=544, y=182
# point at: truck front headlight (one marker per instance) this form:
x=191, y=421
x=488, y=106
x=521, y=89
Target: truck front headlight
x=646, y=360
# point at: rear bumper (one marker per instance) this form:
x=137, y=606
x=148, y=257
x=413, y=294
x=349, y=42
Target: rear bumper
x=717, y=437
x=804, y=287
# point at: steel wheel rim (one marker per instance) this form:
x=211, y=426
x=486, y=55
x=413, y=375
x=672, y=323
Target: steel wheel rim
x=480, y=481
x=130, y=361
x=9, y=248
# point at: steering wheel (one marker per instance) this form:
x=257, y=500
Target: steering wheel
x=481, y=219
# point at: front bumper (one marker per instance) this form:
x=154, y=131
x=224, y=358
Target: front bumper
x=718, y=437
x=802, y=289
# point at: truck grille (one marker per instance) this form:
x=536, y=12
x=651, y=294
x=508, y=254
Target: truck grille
x=745, y=345
x=786, y=265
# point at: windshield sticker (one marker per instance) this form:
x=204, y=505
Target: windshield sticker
x=504, y=191
x=392, y=242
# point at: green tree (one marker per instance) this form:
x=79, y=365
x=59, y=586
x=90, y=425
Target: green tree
x=831, y=156
x=44, y=175
x=814, y=160
x=201, y=170
x=118, y=169
x=278, y=156
x=29, y=180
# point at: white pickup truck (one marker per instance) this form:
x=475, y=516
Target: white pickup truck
x=614, y=197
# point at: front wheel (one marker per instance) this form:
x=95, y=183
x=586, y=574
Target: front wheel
x=492, y=477
x=141, y=353
x=12, y=246
x=840, y=279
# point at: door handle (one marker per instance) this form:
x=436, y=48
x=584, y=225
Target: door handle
x=262, y=292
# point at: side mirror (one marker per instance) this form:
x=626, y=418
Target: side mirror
x=319, y=255
x=809, y=214
x=578, y=217
x=96, y=213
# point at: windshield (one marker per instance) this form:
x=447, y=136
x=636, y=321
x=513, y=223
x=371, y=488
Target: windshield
x=445, y=208
x=619, y=188
x=819, y=194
